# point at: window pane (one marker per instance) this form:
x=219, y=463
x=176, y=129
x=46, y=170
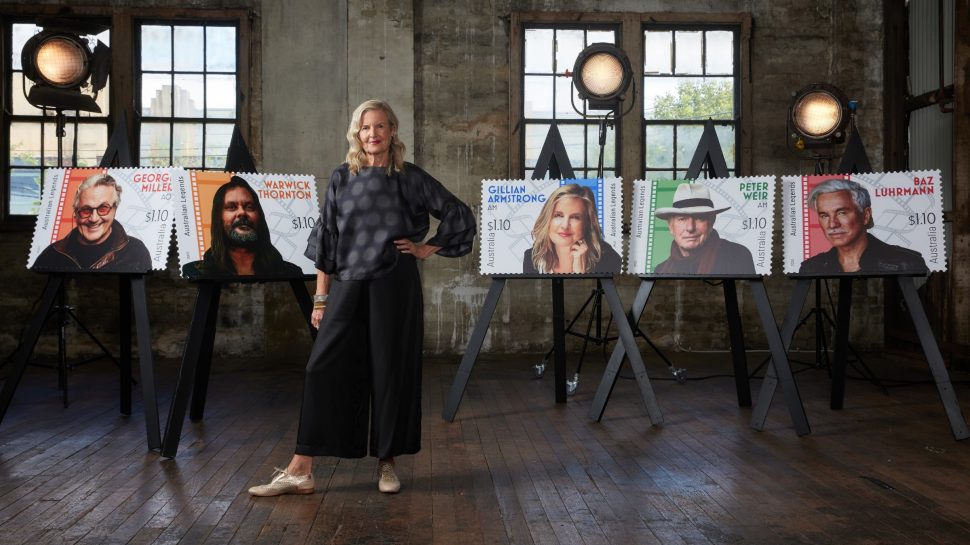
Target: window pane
x=187, y=145
x=688, y=48
x=656, y=52
x=600, y=36
x=688, y=98
x=725, y=135
x=156, y=47
x=688, y=137
x=660, y=145
x=220, y=49
x=189, y=48
x=720, y=53
x=564, y=105
x=538, y=50
x=569, y=43
x=217, y=136
x=19, y=99
x=153, y=145
x=92, y=141
x=658, y=97
x=25, y=144
x=572, y=137
x=659, y=175
x=537, y=101
x=24, y=191
x=20, y=33
x=188, y=95
x=156, y=95
x=220, y=96
x=535, y=136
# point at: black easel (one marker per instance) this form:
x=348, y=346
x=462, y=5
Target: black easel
x=854, y=160
x=132, y=296
x=932, y=351
x=193, y=376
x=554, y=159
x=709, y=153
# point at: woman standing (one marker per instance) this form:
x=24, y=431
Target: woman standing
x=362, y=393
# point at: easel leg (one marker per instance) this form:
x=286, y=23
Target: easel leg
x=146, y=361
x=206, y=303
x=779, y=359
x=738, y=356
x=612, y=372
x=632, y=352
x=471, y=351
x=770, y=382
x=19, y=362
x=204, y=369
x=124, y=339
x=958, y=425
x=559, y=338
x=842, y=321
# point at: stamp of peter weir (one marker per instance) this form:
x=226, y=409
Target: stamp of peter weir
x=716, y=227
x=109, y=220
x=551, y=226
x=865, y=224
x=246, y=224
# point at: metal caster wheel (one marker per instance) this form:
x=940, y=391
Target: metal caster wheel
x=572, y=385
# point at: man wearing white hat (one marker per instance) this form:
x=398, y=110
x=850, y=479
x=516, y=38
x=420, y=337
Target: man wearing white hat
x=697, y=248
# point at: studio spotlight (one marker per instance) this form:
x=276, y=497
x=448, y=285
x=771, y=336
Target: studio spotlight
x=60, y=62
x=817, y=116
x=601, y=74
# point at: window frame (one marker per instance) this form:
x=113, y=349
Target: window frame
x=676, y=167
x=172, y=120
x=630, y=126
x=593, y=120
x=124, y=23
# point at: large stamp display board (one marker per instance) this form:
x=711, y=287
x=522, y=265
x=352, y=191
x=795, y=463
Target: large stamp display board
x=901, y=228
x=672, y=233
x=525, y=226
x=284, y=207
x=122, y=222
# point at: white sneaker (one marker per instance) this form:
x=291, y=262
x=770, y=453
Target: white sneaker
x=284, y=483
x=388, y=482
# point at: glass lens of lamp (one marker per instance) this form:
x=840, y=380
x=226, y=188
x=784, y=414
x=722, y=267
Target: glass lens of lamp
x=817, y=114
x=602, y=74
x=61, y=62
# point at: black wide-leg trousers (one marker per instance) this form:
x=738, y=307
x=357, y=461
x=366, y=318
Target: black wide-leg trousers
x=365, y=368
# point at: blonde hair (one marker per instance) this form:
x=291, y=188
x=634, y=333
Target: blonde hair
x=356, y=158
x=543, y=253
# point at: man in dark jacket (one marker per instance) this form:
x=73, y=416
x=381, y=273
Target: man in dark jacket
x=697, y=248
x=844, y=210
x=98, y=242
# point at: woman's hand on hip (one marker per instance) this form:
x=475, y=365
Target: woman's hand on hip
x=420, y=251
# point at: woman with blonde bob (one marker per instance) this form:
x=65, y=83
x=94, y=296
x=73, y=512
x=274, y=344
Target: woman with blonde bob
x=362, y=392
x=567, y=236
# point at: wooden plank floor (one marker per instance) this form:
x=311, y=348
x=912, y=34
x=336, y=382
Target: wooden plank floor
x=513, y=468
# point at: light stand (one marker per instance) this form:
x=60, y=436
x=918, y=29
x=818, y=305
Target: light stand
x=854, y=160
x=58, y=61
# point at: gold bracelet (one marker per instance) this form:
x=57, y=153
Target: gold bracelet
x=319, y=306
